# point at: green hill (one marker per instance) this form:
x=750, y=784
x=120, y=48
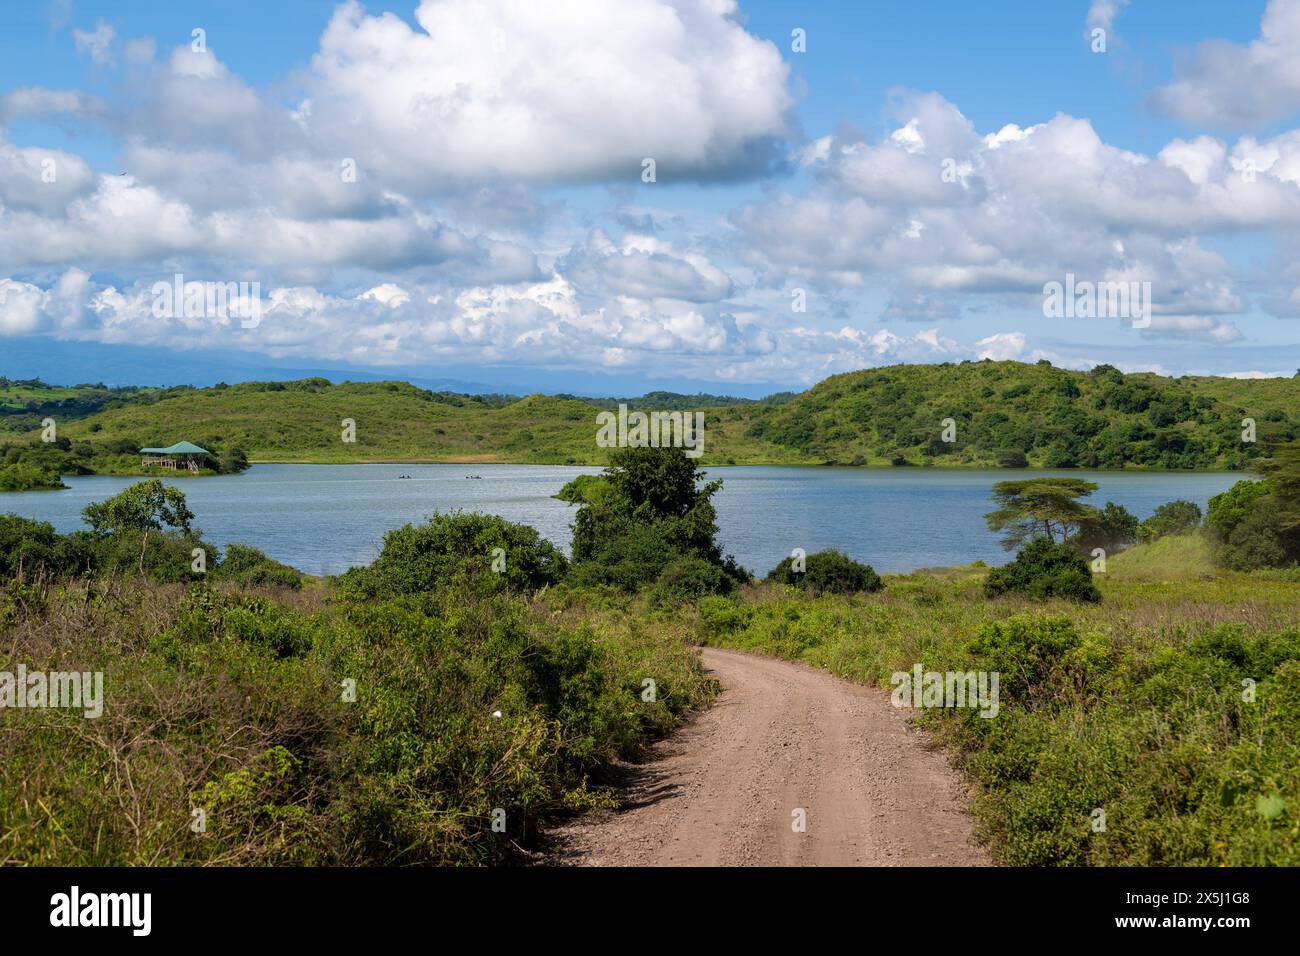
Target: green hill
x=1053, y=417
x=1002, y=414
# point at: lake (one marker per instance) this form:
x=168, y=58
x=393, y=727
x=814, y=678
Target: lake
x=325, y=518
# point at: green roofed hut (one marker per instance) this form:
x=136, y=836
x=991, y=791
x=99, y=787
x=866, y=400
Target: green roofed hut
x=179, y=456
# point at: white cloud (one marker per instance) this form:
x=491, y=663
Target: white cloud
x=96, y=43
x=942, y=211
x=1102, y=13
x=512, y=88
x=1241, y=85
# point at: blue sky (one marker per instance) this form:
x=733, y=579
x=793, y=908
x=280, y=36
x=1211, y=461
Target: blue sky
x=499, y=234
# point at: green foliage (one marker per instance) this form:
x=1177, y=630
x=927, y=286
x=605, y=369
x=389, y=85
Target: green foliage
x=1052, y=417
x=23, y=477
x=1027, y=652
x=1039, y=506
x=1044, y=569
x=460, y=549
x=645, y=513
x=143, y=506
x=1173, y=517
x=1227, y=510
x=34, y=547
x=686, y=579
x=1112, y=528
x=251, y=568
x=828, y=572
x=1254, y=524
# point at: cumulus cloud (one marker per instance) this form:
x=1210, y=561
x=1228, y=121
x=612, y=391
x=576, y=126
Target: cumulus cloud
x=644, y=267
x=1241, y=85
x=510, y=88
x=951, y=212
x=43, y=103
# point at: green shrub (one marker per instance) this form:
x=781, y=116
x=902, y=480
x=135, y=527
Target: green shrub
x=1044, y=569
x=35, y=547
x=1172, y=517
x=828, y=572
x=24, y=477
x=1255, y=541
x=1027, y=652
x=687, y=579
x=251, y=567
x=483, y=552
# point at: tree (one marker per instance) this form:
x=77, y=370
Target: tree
x=645, y=487
x=143, y=507
x=232, y=461
x=1282, y=473
x=1032, y=506
x=1111, y=528
x=647, y=510
x=1172, y=517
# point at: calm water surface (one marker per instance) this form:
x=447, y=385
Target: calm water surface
x=325, y=518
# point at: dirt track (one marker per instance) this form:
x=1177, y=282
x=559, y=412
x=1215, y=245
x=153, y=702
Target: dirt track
x=784, y=736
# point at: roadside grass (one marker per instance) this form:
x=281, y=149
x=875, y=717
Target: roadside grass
x=1133, y=707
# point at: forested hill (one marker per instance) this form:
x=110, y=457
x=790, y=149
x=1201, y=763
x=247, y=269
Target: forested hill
x=1053, y=417
x=1002, y=413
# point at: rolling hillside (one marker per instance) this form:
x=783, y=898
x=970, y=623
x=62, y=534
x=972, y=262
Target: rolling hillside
x=1005, y=414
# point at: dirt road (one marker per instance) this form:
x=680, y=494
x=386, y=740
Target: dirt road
x=782, y=738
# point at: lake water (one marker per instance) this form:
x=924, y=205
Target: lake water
x=325, y=518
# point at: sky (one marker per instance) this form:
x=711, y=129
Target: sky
x=611, y=197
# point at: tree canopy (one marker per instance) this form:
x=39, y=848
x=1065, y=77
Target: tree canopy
x=145, y=506
x=1031, y=506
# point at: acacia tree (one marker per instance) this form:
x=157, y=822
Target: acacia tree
x=1034, y=506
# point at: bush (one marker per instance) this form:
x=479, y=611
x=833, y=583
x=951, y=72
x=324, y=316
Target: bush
x=1254, y=542
x=484, y=552
x=1173, y=517
x=1027, y=652
x=251, y=567
x=166, y=557
x=687, y=579
x=828, y=572
x=1044, y=569
x=36, y=547
x=1113, y=528
x=23, y=477
x=1229, y=509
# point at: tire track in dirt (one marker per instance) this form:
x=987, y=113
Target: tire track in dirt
x=781, y=737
